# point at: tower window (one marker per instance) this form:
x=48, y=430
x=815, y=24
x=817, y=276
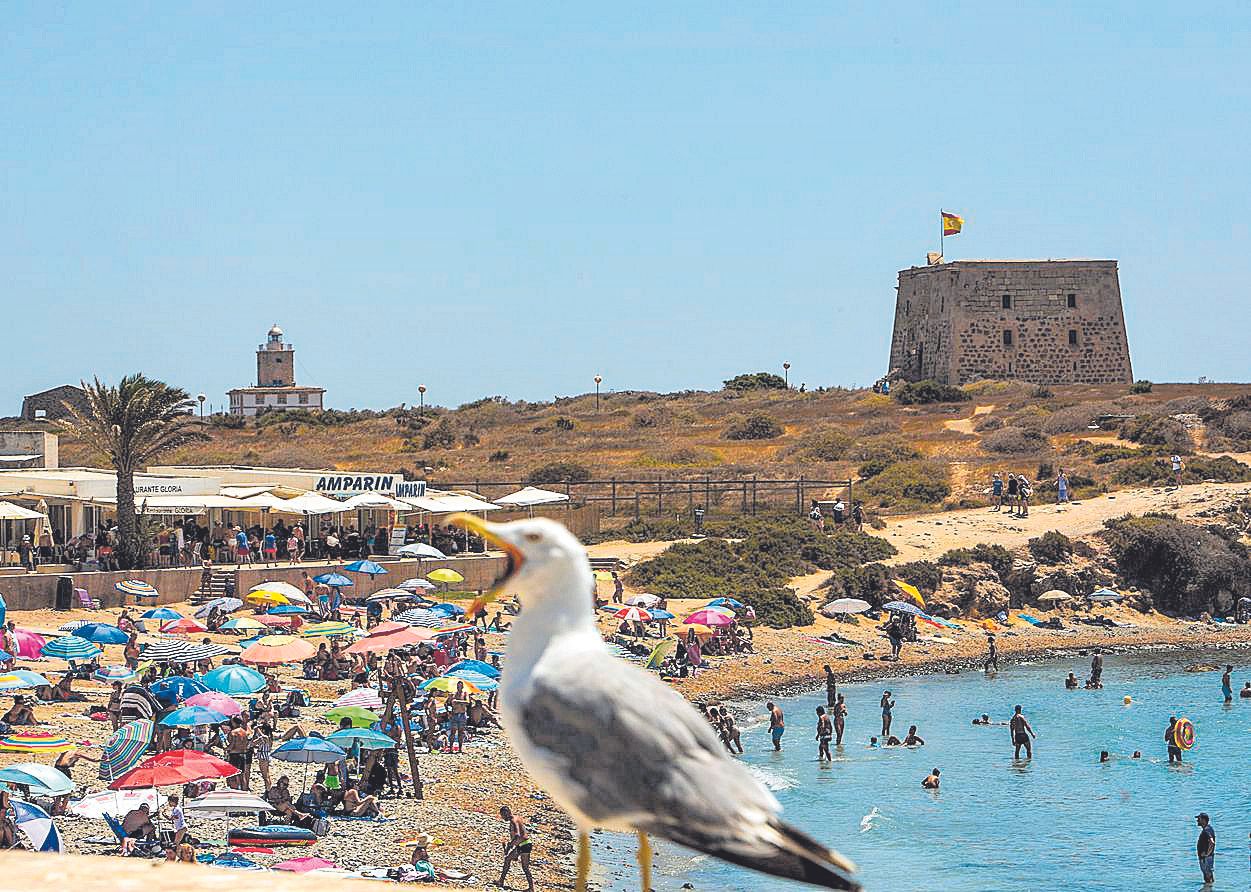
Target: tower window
x=1007, y=301
x=1007, y=337
x=1072, y=301
x=1072, y=337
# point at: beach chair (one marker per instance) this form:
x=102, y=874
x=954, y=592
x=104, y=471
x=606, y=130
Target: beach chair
x=85, y=600
x=143, y=848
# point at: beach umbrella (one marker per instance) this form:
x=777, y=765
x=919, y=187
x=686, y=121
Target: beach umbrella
x=174, y=768
x=328, y=630
x=477, y=666
x=364, y=737
x=902, y=607
x=125, y=749
x=69, y=648
x=136, y=587
x=309, y=750
x=366, y=697
x=910, y=590
x=113, y=802
x=233, y=680
x=709, y=617
x=1054, y=596
x=182, y=626
x=273, y=650
x=216, y=701
x=422, y=616
x=173, y=650
x=643, y=600
x=845, y=605
x=334, y=580
x=360, y=716
x=368, y=567
x=41, y=780
x=287, y=610
x=387, y=628
x=660, y=653
x=21, y=678
x=292, y=593
x=448, y=609
x=162, y=613
x=190, y=716
x=419, y=550
x=227, y=801
x=72, y=625
x=477, y=679
x=701, y=631
x=29, y=644
x=175, y=688
x=279, y=622
x=633, y=614
x=100, y=633
x=110, y=674
x=726, y=602
x=381, y=643
x=417, y=585
x=34, y=742
x=661, y=614
x=447, y=684
x=1104, y=595
x=389, y=594
x=37, y=826
x=266, y=597
x=223, y=605
x=242, y=623
x=304, y=865
x=443, y=574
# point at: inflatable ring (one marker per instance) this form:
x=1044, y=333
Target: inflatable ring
x=1184, y=734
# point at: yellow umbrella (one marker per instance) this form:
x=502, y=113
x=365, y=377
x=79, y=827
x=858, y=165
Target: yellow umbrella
x=263, y=597
x=909, y=590
x=447, y=684
x=603, y=576
x=445, y=575
x=659, y=653
x=246, y=622
x=701, y=631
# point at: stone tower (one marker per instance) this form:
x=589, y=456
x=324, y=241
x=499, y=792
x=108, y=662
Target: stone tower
x=1043, y=321
x=275, y=361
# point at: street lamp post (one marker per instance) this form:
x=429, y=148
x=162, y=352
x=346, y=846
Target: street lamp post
x=786, y=370
x=598, y=379
x=201, y=397
x=421, y=395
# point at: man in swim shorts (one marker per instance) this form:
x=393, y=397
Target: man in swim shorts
x=1021, y=733
x=1174, y=751
x=1227, y=684
x=517, y=848
x=777, y=725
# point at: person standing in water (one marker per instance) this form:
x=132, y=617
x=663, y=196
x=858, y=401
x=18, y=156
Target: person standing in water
x=824, y=732
x=1227, y=684
x=992, y=653
x=887, y=705
x=831, y=688
x=1021, y=733
x=1170, y=740
x=1096, y=669
x=1205, y=848
x=840, y=720
x=777, y=725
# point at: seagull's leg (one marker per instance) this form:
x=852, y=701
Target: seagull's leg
x=645, y=861
x=584, y=861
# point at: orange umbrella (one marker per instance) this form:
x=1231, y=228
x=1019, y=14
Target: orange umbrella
x=391, y=640
x=273, y=650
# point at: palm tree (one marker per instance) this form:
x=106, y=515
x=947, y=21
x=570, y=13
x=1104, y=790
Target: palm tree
x=130, y=424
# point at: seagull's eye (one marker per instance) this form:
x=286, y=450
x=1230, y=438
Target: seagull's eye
x=534, y=537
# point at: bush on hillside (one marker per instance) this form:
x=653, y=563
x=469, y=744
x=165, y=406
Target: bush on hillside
x=440, y=436
x=559, y=472
x=1157, y=470
x=824, y=445
x=1015, y=441
x=1142, y=385
x=910, y=484
x=986, y=423
x=875, y=582
x=1158, y=430
x=229, y=422
x=754, y=427
x=919, y=392
x=1052, y=547
x=1075, y=419
x=877, y=456
x=878, y=426
x=999, y=558
x=756, y=381
x=499, y=455
x=1188, y=569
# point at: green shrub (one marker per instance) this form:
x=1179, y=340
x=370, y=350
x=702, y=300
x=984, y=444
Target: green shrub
x=229, y=422
x=1142, y=385
x=876, y=457
x=824, y=445
x=756, y=381
x=1052, y=547
x=469, y=438
x=999, y=558
x=559, y=472
x=565, y=424
x=754, y=427
x=1158, y=430
x=1015, y=441
x=918, y=392
x=909, y=484
x=1156, y=470
x=499, y=455
x=440, y=436
x=875, y=582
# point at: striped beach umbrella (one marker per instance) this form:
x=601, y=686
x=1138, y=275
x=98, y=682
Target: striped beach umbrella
x=162, y=613
x=366, y=697
x=223, y=605
x=183, y=625
x=110, y=674
x=37, y=826
x=125, y=749
x=240, y=624
x=70, y=647
x=171, y=650
x=420, y=616
x=447, y=684
x=34, y=742
x=328, y=630
x=21, y=678
x=72, y=625
x=135, y=587
x=417, y=585
x=292, y=594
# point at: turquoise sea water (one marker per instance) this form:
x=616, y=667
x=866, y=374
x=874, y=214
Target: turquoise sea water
x=1059, y=821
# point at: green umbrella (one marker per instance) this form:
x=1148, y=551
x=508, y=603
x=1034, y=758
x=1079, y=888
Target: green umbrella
x=360, y=716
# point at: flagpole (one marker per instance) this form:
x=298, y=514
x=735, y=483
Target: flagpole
x=942, y=236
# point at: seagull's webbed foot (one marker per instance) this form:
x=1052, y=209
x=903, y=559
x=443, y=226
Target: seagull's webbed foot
x=645, y=861
x=584, y=861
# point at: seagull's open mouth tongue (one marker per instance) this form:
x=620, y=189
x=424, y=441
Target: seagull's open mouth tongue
x=514, y=558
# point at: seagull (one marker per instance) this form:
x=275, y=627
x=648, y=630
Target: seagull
x=614, y=747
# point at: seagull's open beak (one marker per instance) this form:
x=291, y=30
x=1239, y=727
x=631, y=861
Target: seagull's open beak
x=490, y=532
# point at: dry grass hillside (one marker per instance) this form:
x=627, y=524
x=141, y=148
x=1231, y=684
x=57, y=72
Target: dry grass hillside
x=910, y=456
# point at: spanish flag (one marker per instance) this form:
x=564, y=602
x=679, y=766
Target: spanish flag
x=952, y=223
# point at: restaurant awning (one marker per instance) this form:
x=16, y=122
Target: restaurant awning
x=373, y=500
x=312, y=503
x=9, y=511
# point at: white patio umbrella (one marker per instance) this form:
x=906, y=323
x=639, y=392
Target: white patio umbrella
x=845, y=605
x=294, y=595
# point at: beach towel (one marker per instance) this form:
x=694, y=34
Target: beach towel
x=1033, y=621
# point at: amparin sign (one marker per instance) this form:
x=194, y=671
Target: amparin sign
x=355, y=484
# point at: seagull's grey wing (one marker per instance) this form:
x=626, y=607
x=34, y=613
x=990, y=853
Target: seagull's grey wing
x=633, y=752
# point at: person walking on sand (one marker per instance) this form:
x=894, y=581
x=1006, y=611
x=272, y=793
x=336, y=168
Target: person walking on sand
x=887, y=705
x=777, y=725
x=996, y=491
x=1024, y=491
x=517, y=848
x=840, y=720
x=992, y=653
x=1170, y=741
x=1013, y=490
x=831, y=688
x=1205, y=848
x=1227, y=684
x=1021, y=733
x=1178, y=467
x=825, y=731
x=1062, y=487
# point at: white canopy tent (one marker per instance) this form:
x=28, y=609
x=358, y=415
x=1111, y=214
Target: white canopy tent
x=368, y=500
x=312, y=503
x=449, y=503
x=530, y=496
x=9, y=511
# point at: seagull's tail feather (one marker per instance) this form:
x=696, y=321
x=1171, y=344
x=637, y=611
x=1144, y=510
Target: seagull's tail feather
x=781, y=851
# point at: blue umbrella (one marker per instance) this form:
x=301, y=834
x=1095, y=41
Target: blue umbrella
x=41, y=780
x=162, y=613
x=903, y=607
x=38, y=826
x=21, y=678
x=175, y=688
x=187, y=716
x=476, y=666
x=366, y=567
x=448, y=609
x=101, y=633
x=306, y=750
x=333, y=579
x=475, y=678
x=70, y=647
x=726, y=602
x=663, y=614
x=368, y=739
x=286, y=610
x=233, y=680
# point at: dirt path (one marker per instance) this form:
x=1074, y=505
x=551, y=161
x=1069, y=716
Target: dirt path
x=965, y=425
x=926, y=536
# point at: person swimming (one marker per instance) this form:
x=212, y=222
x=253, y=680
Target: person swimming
x=1070, y=683
x=873, y=743
x=1104, y=756
x=931, y=782
x=984, y=720
x=892, y=740
x=913, y=738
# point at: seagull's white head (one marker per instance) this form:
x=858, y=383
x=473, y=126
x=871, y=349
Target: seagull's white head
x=545, y=561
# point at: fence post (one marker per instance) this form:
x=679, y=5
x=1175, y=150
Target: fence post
x=660, y=497
x=614, y=497
x=636, y=505
x=799, y=496
x=708, y=492
x=753, y=495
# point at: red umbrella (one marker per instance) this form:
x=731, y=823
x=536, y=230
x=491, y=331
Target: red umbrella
x=184, y=626
x=390, y=640
x=633, y=614
x=174, y=767
x=282, y=621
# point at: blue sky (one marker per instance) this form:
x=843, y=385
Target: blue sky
x=509, y=199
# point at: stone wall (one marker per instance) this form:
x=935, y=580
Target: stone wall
x=1064, y=319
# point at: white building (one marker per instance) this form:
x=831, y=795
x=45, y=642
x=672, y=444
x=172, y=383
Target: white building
x=275, y=388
